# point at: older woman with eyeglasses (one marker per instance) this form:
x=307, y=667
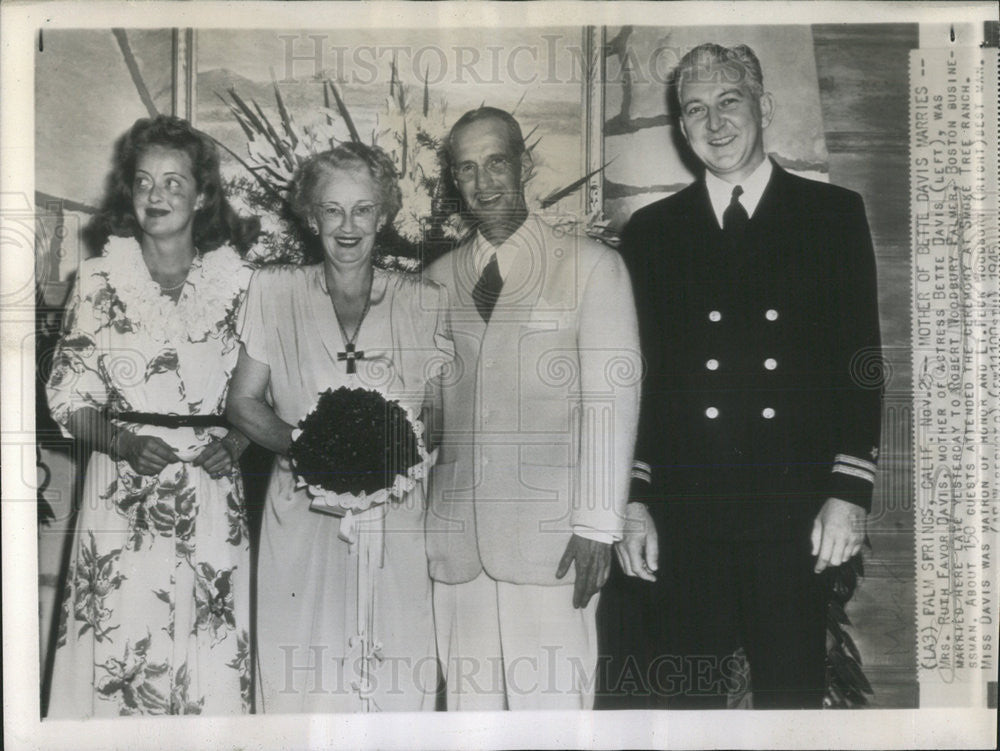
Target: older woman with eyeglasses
x=340, y=322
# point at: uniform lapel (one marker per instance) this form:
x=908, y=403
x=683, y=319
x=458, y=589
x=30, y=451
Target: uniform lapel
x=774, y=223
x=773, y=201
x=703, y=205
x=772, y=258
x=715, y=258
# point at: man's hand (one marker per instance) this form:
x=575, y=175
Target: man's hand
x=639, y=551
x=593, y=564
x=837, y=533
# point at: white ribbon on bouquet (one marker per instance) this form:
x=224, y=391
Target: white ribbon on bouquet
x=362, y=526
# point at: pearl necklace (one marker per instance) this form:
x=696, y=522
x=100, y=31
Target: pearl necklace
x=181, y=283
x=174, y=287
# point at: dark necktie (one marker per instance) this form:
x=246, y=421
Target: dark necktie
x=487, y=289
x=735, y=217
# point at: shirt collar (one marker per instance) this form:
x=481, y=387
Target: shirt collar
x=482, y=248
x=720, y=193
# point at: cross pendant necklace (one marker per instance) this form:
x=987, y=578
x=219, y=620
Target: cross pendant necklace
x=350, y=355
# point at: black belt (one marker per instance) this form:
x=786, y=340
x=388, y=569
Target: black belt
x=171, y=421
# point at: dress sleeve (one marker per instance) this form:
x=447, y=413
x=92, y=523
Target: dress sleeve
x=435, y=349
x=78, y=378
x=244, y=274
x=250, y=324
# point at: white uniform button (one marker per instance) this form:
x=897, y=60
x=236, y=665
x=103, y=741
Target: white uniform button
x=770, y=363
x=771, y=314
x=711, y=413
x=768, y=413
x=712, y=364
x=489, y=362
x=715, y=316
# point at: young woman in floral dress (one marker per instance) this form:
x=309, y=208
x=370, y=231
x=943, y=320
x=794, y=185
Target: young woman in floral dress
x=155, y=615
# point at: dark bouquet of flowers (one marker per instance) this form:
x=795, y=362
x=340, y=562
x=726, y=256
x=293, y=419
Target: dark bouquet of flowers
x=356, y=449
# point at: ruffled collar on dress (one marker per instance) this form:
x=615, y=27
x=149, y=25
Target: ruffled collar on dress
x=213, y=287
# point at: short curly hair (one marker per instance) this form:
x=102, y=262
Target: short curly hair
x=215, y=223
x=350, y=155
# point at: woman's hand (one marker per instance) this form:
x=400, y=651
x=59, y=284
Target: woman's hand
x=147, y=455
x=217, y=458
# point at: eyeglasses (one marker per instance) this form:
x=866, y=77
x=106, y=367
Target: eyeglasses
x=497, y=166
x=335, y=214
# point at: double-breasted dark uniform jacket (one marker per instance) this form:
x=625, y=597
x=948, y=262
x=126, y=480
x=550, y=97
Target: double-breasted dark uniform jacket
x=761, y=399
x=762, y=390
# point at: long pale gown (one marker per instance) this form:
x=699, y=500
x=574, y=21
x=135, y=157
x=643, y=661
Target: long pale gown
x=155, y=616
x=309, y=624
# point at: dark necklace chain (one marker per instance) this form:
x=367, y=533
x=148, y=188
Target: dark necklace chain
x=350, y=340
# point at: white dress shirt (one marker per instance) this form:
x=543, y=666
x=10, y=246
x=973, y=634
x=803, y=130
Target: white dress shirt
x=507, y=251
x=721, y=193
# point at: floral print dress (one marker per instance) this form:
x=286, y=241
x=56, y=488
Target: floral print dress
x=155, y=615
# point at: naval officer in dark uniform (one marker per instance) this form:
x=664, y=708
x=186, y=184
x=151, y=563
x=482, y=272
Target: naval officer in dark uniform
x=760, y=415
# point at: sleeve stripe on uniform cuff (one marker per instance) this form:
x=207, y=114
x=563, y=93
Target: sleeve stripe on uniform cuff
x=642, y=467
x=855, y=472
x=640, y=475
x=848, y=459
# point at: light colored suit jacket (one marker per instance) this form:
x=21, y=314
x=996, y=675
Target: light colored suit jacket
x=539, y=411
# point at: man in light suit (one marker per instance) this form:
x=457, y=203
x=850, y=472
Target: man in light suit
x=538, y=427
x=755, y=460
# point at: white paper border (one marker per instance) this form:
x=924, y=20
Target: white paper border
x=18, y=24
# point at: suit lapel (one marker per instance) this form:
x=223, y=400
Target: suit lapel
x=464, y=274
x=523, y=285
x=521, y=291
x=462, y=269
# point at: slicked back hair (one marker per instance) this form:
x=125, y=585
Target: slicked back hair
x=695, y=65
x=513, y=128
